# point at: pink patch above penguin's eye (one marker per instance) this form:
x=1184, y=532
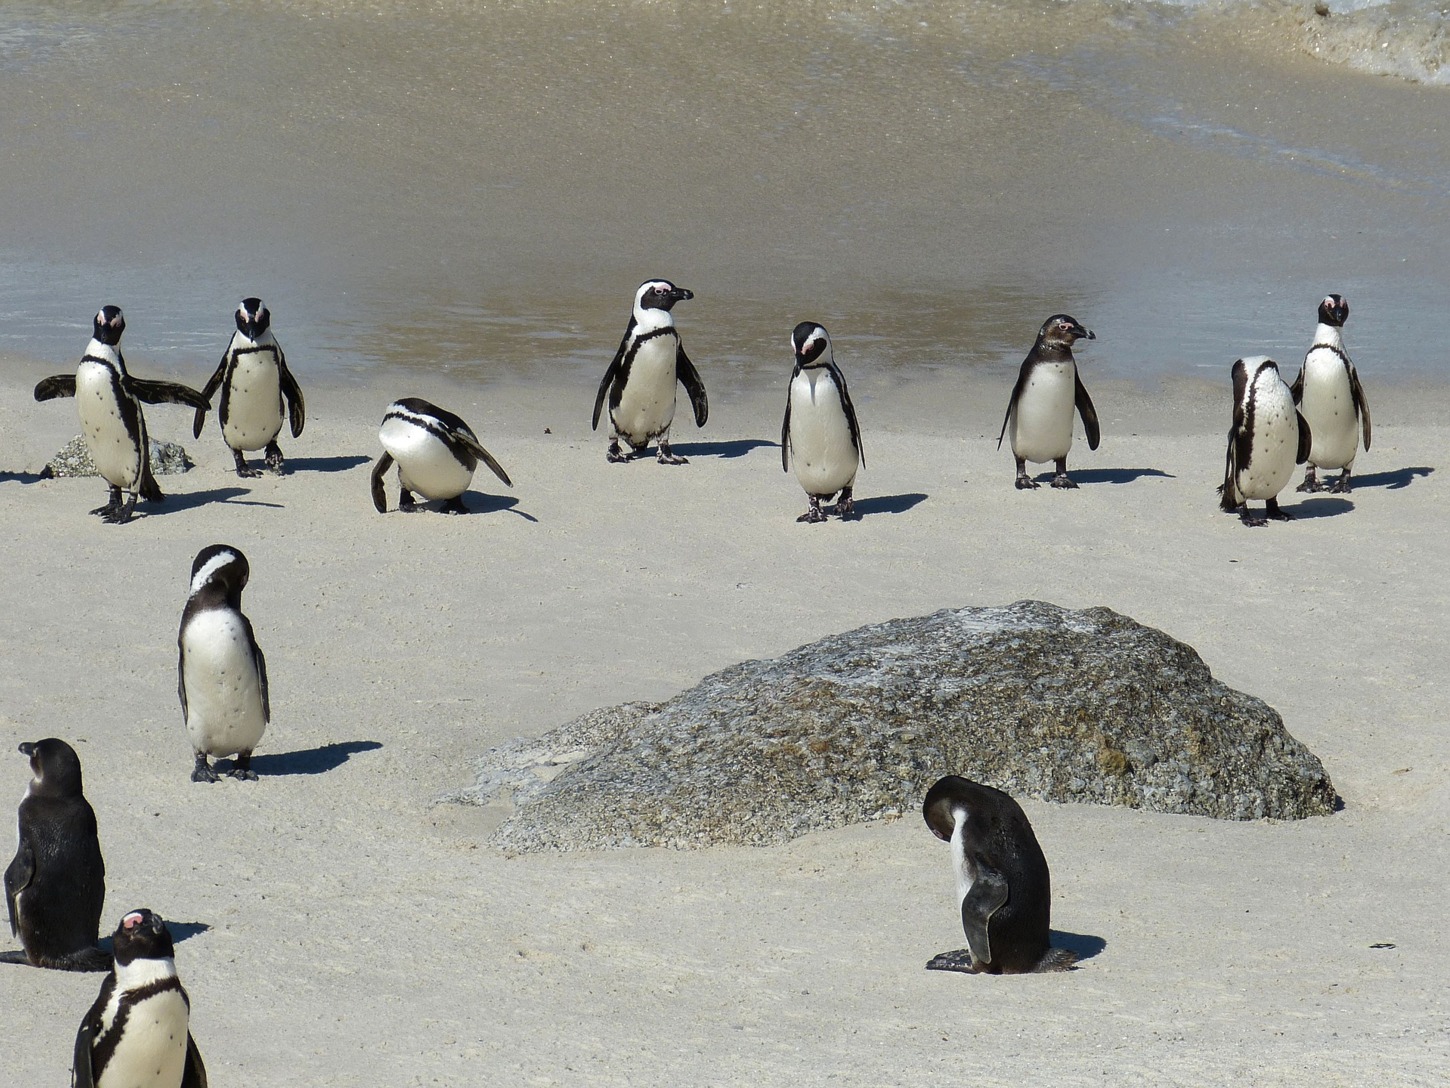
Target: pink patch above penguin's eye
x=131, y=921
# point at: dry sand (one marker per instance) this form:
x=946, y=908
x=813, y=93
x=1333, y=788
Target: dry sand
x=340, y=928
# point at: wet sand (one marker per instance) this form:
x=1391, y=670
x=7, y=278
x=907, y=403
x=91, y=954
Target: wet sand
x=341, y=928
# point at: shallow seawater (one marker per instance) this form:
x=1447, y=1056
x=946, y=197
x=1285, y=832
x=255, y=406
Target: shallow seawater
x=478, y=188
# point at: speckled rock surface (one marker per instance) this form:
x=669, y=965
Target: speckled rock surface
x=74, y=459
x=1034, y=699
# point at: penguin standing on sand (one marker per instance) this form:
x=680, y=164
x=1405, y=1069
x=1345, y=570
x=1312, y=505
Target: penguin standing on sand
x=138, y=1032
x=820, y=429
x=1039, y=413
x=254, y=381
x=221, y=673
x=56, y=885
x=1329, y=395
x=108, y=401
x=1002, y=881
x=640, y=381
x=1267, y=438
x=436, y=454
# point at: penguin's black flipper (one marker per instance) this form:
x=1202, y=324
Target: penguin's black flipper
x=149, y=489
x=850, y=410
x=296, y=406
x=612, y=373
x=987, y=895
x=81, y=1072
x=1086, y=410
x=690, y=379
x=194, y=1073
x=261, y=672
x=1361, y=405
x=155, y=392
x=785, y=427
x=1305, y=440
x=207, y=392
x=380, y=499
x=1296, y=390
x=1012, y=400
x=18, y=875
x=476, y=448
x=1238, y=437
x=59, y=385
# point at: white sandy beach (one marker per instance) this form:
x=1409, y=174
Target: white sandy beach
x=340, y=928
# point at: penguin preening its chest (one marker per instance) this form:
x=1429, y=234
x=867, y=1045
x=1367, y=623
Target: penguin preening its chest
x=55, y=887
x=1267, y=438
x=221, y=673
x=1331, y=399
x=137, y=1034
x=640, y=381
x=108, y=401
x=254, y=382
x=1039, y=413
x=436, y=454
x=820, y=432
x=1003, y=886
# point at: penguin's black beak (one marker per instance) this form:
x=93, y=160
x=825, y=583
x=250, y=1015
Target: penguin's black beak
x=679, y=294
x=1082, y=333
x=27, y=748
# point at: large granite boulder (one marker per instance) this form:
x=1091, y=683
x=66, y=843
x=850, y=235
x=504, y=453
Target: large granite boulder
x=74, y=459
x=1034, y=699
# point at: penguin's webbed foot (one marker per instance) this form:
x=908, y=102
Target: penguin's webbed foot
x=845, y=507
x=1026, y=482
x=455, y=506
x=1311, y=483
x=960, y=960
x=1272, y=511
x=1341, y=485
x=406, y=503
x=665, y=457
x=616, y=455
x=203, y=771
x=1251, y=520
x=15, y=956
x=244, y=470
x=242, y=774
x=814, y=514
x=120, y=514
x=83, y=959
x=1064, y=482
x=113, y=503
x=274, y=458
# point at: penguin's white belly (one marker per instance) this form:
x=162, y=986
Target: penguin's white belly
x=822, y=454
x=254, y=401
x=116, y=453
x=1328, y=407
x=647, y=403
x=425, y=464
x=152, y=1050
x=1042, y=417
x=224, y=713
x=1274, y=443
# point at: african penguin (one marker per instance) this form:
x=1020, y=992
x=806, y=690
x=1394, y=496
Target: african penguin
x=1267, y=438
x=254, y=381
x=1329, y=395
x=108, y=401
x=1039, y=413
x=138, y=1032
x=56, y=885
x=221, y=673
x=1003, y=885
x=640, y=381
x=436, y=454
x=820, y=430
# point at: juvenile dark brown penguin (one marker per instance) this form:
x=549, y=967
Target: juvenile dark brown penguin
x=1002, y=881
x=56, y=885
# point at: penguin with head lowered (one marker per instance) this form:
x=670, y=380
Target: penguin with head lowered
x=1039, y=413
x=55, y=887
x=820, y=430
x=137, y=1034
x=254, y=382
x=436, y=454
x=1003, y=886
x=1331, y=399
x=108, y=401
x=640, y=381
x=1267, y=438
x=221, y=673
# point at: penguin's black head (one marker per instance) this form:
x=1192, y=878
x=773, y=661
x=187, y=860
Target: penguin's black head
x=660, y=295
x=56, y=767
x=810, y=341
x=952, y=794
x=142, y=935
x=1061, y=331
x=1334, y=310
x=220, y=565
x=253, y=318
x=108, y=325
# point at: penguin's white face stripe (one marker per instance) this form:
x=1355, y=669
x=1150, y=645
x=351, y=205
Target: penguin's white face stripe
x=209, y=570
